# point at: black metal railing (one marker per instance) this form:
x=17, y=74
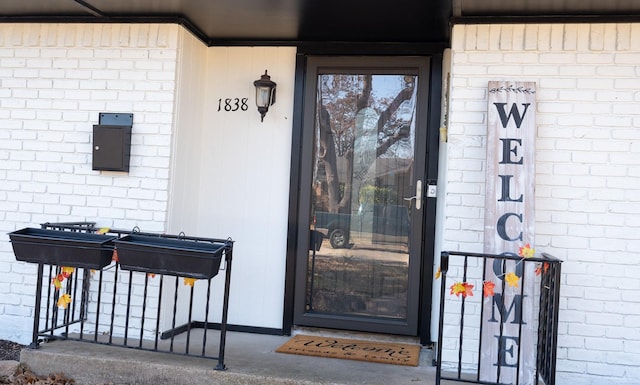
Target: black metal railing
x=508, y=333
x=113, y=306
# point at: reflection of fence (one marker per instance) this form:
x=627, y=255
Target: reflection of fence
x=113, y=306
x=464, y=336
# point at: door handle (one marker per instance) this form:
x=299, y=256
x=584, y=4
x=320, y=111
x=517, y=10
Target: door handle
x=418, y=196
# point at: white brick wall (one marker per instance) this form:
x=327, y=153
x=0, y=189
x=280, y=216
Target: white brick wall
x=587, y=175
x=54, y=81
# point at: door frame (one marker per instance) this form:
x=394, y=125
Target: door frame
x=430, y=177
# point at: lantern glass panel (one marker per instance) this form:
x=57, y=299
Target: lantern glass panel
x=263, y=96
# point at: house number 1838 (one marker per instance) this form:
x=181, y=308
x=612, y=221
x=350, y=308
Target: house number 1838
x=233, y=104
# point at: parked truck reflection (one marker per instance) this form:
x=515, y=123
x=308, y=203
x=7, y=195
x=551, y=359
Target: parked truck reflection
x=379, y=224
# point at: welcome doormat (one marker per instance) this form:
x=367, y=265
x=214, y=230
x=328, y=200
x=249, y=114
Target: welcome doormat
x=360, y=350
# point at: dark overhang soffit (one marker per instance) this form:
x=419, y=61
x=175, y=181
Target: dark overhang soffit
x=292, y=22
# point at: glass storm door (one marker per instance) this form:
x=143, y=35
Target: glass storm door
x=362, y=194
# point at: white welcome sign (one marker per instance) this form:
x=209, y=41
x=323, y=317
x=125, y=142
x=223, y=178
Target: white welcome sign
x=508, y=335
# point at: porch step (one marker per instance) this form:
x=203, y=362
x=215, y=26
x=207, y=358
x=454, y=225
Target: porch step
x=250, y=359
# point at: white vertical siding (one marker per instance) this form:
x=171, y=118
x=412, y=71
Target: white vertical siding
x=244, y=183
x=230, y=176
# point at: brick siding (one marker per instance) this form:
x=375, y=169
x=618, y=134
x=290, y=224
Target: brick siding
x=54, y=81
x=587, y=175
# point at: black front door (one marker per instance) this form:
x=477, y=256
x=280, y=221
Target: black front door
x=361, y=213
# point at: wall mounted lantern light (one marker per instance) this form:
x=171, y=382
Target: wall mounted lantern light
x=265, y=94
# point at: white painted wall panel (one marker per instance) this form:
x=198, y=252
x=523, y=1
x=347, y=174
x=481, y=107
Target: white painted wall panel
x=243, y=186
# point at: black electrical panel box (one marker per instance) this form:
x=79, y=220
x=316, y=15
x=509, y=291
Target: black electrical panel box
x=112, y=142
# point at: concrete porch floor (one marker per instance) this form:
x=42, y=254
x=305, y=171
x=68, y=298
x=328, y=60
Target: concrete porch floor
x=249, y=358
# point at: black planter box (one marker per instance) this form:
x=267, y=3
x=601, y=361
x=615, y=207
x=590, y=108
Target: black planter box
x=170, y=256
x=62, y=248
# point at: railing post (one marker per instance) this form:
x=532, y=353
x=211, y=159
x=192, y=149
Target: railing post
x=444, y=267
x=36, y=312
x=225, y=307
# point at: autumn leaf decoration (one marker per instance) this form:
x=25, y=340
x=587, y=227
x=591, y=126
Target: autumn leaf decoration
x=189, y=281
x=542, y=268
x=511, y=278
x=65, y=273
x=526, y=251
x=463, y=288
x=64, y=301
x=487, y=287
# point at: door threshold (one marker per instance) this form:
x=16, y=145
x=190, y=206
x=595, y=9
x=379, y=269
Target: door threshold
x=356, y=335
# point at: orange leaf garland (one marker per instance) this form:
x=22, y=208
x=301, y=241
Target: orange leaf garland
x=189, y=281
x=540, y=268
x=64, y=301
x=103, y=230
x=526, y=251
x=488, y=288
x=512, y=279
x=67, y=271
x=463, y=288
